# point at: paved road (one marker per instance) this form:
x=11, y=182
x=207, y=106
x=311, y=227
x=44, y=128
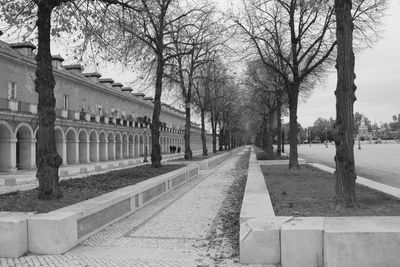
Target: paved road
x=378, y=162
x=182, y=228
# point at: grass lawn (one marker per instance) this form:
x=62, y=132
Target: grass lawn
x=77, y=190
x=310, y=192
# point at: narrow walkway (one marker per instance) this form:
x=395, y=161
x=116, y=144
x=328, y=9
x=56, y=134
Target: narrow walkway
x=176, y=230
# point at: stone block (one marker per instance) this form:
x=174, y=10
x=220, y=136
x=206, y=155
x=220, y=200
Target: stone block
x=302, y=242
x=83, y=170
x=52, y=233
x=260, y=240
x=63, y=173
x=97, y=168
x=10, y=181
x=362, y=241
x=256, y=204
x=13, y=234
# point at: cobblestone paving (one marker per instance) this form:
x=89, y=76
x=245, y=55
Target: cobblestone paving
x=172, y=231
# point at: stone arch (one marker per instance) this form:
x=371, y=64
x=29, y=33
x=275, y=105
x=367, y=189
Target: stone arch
x=93, y=146
x=6, y=158
x=83, y=146
x=131, y=143
x=136, y=146
x=141, y=143
x=125, y=148
x=60, y=143
x=111, y=145
x=25, y=146
x=72, y=146
x=118, y=146
x=103, y=147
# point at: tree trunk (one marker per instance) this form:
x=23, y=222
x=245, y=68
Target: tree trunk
x=214, y=132
x=283, y=140
x=345, y=172
x=278, y=126
x=221, y=139
x=293, y=127
x=47, y=159
x=155, y=129
x=203, y=133
x=188, y=150
x=268, y=136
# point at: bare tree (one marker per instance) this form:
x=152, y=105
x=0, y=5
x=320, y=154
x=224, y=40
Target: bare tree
x=207, y=78
x=43, y=18
x=268, y=98
x=149, y=28
x=293, y=38
x=193, y=41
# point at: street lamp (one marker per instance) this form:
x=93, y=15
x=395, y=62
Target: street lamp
x=359, y=142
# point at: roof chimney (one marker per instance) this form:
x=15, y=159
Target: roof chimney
x=56, y=61
x=148, y=98
x=75, y=69
x=126, y=89
x=25, y=48
x=93, y=76
x=117, y=86
x=107, y=81
x=139, y=95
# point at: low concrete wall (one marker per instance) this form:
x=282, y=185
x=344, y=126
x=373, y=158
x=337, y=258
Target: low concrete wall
x=60, y=230
x=313, y=241
x=259, y=227
x=214, y=161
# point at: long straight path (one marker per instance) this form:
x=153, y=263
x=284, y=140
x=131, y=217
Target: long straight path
x=182, y=228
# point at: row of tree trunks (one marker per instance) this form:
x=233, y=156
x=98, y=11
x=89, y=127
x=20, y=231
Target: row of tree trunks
x=186, y=136
x=278, y=126
x=203, y=133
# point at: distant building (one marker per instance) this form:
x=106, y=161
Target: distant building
x=363, y=130
x=97, y=119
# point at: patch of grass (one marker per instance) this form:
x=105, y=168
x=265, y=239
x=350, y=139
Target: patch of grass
x=310, y=192
x=225, y=236
x=262, y=155
x=200, y=157
x=77, y=190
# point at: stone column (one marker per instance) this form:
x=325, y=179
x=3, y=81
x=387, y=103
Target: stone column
x=13, y=155
x=64, y=152
x=97, y=151
x=77, y=151
x=33, y=153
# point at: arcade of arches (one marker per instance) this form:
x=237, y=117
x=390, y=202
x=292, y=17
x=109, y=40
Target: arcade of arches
x=77, y=144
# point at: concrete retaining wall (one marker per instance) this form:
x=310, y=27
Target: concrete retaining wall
x=214, y=161
x=312, y=241
x=60, y=230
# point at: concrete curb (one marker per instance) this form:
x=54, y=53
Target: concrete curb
x=60, y=230
x=315, y=241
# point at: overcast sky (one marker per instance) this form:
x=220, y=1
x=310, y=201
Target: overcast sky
x=378, y=79
x=377, y=70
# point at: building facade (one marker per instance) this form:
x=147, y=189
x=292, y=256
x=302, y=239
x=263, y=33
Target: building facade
x=97, y=119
